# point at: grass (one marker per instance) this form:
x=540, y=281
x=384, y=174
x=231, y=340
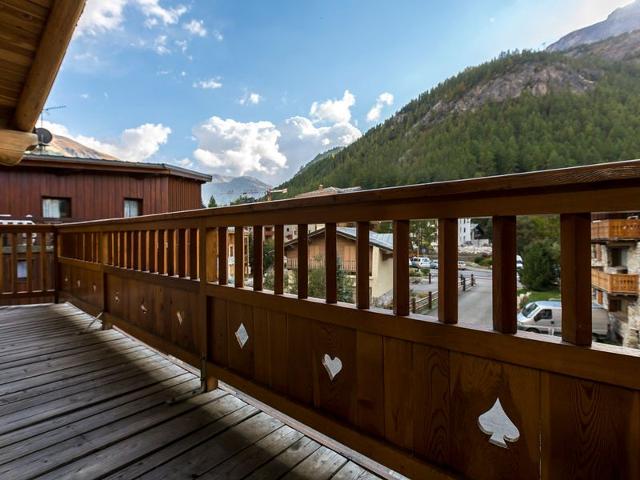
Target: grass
x=540, y=296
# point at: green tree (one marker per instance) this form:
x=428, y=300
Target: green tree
x=540, y=270
x=242, y=199
x=212, y=202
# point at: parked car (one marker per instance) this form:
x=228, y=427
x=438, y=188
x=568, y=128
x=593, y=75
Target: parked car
x=546, y=317
x=434, y=264
x=462, y=265
x=519, y=262
x=424, y=262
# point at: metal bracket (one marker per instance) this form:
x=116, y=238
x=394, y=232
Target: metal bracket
x=197, y=391
x=86, y=329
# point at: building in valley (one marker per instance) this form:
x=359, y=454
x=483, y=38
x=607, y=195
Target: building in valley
x=615, y=265
x=380, y=257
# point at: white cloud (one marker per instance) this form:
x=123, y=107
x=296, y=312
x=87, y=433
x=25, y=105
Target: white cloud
x=84, y=96
x=218, y=35
x=384, y=99
x=238, y=148
x=334, y=110
x=210, y=84
x=184, y=163
x=182, y=45
x=133, y=145
x=102, y=16
x=196, y=28
x=252, y=98
x=160, y=45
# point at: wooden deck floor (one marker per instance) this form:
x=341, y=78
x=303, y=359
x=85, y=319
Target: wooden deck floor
x=79, y=402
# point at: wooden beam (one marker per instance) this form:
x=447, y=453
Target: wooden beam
x=53, y=45
x=13, y=144
x=401, y=267
x=362, y=265
x=303, y=260
x=448, y=270
x=238, y=256
x=331, y=263
x=278, y=262
x=505, y=289
x=258, y=254
x=575, y=281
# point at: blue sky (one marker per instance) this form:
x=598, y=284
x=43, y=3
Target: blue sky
x=259, y=88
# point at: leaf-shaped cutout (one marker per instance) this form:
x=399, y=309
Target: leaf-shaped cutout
x=333, y=366
x=179, y=316
x=495, y=422
x=143, y=308
x=242, y=336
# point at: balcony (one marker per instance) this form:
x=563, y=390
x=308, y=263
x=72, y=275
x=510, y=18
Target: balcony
x=615, y=283
x=419, y=394
x=615, y=230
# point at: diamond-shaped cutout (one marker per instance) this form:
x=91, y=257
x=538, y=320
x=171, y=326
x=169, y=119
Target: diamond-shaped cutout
x=180, y=318
x=242, y=336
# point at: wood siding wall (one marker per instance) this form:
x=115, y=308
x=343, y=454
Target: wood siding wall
x=93, y=196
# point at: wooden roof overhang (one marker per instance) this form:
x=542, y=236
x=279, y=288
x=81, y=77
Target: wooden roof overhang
x=34, y=36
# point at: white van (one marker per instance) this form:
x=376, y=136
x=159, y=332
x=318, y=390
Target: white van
x=546, y=317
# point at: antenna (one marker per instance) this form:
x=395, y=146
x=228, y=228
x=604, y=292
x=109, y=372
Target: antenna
x=45, y=111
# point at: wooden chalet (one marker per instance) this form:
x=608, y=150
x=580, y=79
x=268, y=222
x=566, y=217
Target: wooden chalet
x=157, y=367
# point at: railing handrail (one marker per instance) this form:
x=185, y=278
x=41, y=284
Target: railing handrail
x=564, y=180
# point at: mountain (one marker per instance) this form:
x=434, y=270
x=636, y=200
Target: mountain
x=622, y=20
x=226, y=189
x=522, y=111
x=65, y=147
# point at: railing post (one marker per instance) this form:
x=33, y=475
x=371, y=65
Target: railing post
x=56, y=269
x=413, y=304
x=181, y=249
x=303, y=261
x=193, y=249
x=400, y=267
x=278, y=259
x=331, y=263
x=575, y=281
x=362, y=265
x=448, y=270
x=28, y=240
x=14, y=263
x=209, y=259
x=203, y=252
x=223, y=256
x=258, y=256
x=505, y=289
x=238, y=256
x=430, y=296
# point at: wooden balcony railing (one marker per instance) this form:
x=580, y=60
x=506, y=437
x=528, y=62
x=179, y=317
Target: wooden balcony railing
x=615, y=229
x=619, y=283
x=27, y=266
x=410, y=391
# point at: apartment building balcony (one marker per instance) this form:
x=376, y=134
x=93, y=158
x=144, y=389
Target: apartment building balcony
x=257, y=383
x=615, y=283
x=615, y=230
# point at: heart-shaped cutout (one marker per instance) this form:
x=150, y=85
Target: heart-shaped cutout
x=242, y=336
x=333, y=366
x=143, y=308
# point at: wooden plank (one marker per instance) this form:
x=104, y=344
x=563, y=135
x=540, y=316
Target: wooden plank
x=352, y=471
x=448, y=270
x=320, y=465
x=240, y=317
x=331, y=263
x=211, y=256
x=370, y=388
x=3, y=287
x=192, y=249
x=398, y=392
x=258, y=257
x=238, y=253
x=303, y=260
x=223, y=256
x=362, y=265
x=159, y=249
x=299, y=359
x=13, y=265
x=575, y=285
x=278, y=263
x=29, y=259
x=181, y=250
x=287, y=460
x=401, y=299
x=505, y=289
x=582, y=435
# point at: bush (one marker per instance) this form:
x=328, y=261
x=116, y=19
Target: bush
x=540, y=270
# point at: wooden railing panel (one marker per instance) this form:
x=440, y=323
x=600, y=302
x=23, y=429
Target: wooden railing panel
x=448, y=270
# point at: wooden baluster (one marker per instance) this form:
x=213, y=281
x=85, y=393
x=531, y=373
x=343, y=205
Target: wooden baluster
x=135, y=251
x=148, y=251
x=126, y=245
x=505, y=288
x=209, y=260
x=303, y=261
x=42, y=239
x=258, y=254
x=575, y=281
x=448, y=270
x=238, y=254
x=331, y=263
x=223, y=256
x=278, y=260
x=169, y=258
x=55, y=267
x=2, y=256
x=158, y=246
x=28, y=240
x=14, y=263
x=181, y=248
x=362, y=265
x=194, y=250
x=142, y=253
x=401, y=301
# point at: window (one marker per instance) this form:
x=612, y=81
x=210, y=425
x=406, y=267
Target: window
x=132, y=207
x=544, y=315
x=56, y=207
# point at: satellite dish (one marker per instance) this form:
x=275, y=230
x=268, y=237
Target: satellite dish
x=44, y=136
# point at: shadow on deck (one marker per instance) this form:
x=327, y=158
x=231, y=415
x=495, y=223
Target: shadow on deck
x=80, y=402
